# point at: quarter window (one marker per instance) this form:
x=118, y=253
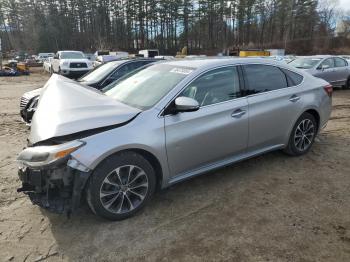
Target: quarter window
x=294, y=79
x=339, y=62
x=264, y=78
x=216, y=86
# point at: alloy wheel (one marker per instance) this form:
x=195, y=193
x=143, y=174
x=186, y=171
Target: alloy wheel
x=304, y=135
x=124, y=189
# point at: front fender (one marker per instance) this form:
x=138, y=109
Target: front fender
x=138, y=134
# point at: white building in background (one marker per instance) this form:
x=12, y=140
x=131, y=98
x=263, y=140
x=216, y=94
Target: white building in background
x=343, y=28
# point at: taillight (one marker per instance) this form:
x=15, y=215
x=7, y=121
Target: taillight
x=329, y=90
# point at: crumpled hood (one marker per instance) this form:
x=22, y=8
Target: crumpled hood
x=67, y=107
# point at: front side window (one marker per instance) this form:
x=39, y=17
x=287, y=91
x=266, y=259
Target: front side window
x=305, y=63
x=339, y=62
x=213, y=87
x=146, y=87
x=328, y=63
x=264, y=78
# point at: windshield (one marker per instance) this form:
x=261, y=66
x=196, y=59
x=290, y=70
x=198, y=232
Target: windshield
x=71, y=55
x=305, y=63
x=145, y=88
x=100, y=72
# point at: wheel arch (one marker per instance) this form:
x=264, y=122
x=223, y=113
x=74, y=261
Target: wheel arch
x=311, y=111
x=316, y=115
x=151, y=158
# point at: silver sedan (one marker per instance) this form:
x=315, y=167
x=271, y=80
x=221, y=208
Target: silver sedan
x=166, y=123
x=333, y=69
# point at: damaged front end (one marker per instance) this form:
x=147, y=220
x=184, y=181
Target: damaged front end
x=51, y=177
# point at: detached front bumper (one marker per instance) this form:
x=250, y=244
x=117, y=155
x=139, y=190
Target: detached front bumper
x=57, y=188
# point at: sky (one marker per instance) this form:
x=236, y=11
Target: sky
x=344, y=4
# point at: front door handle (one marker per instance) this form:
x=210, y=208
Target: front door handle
x=238, y=113
x=294, y=98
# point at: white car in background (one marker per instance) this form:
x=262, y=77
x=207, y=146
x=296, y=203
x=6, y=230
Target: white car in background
x=104, y=59
x=346, y=57
x=70, y=64
x=112, y=56
x=44, y=56
x=47, y=65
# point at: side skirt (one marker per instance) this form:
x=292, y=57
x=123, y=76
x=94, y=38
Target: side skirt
x=220, y=164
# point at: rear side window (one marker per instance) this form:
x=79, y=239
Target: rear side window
x=293, y=79
x=125, y=69
x=339, y=62
x=264, y=78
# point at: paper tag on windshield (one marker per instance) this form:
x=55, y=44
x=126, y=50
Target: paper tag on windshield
x=183, y=71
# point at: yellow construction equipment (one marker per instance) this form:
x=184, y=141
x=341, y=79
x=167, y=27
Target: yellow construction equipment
x=245, y=53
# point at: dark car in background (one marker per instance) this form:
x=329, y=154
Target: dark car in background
x=98, y=78
x=109, y=72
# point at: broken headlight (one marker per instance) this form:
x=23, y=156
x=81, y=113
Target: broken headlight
x=45, y=155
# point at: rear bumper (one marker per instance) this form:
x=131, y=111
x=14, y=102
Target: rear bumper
x=55, y=188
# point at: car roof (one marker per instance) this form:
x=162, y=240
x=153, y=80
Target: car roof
x=63, y=51
x=212, y=62
x=318, y=56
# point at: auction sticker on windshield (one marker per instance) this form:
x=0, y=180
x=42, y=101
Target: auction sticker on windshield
x=180, y=70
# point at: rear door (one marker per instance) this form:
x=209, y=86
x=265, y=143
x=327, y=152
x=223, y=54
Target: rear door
x=273, y=104
x=218, y=130
x=342, y=70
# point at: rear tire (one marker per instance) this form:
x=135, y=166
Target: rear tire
x=302, y=136
x=121, y=186
x=347, y=85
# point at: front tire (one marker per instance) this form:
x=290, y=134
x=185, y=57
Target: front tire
x=302, y=136
x=121, y=186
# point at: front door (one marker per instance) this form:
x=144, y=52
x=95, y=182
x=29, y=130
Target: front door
x=326, y=70
x=218, y=130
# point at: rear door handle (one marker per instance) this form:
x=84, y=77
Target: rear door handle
x=294, y=98
x=238, y=113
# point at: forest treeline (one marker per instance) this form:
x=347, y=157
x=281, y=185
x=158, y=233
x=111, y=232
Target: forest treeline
x=300, y=26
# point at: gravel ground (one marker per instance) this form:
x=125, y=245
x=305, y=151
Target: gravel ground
x=270, y=208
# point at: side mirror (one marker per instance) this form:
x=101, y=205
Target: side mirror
x=186, y=104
